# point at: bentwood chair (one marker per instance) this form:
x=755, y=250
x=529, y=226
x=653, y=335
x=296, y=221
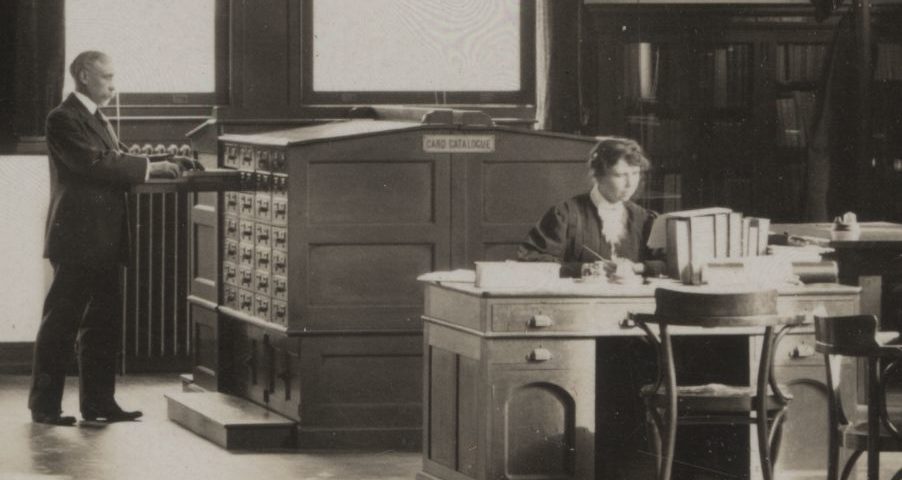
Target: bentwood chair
x=748, y=312
x=879, y=429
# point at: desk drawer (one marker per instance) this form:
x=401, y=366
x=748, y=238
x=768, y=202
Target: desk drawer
x=542, y=354
x=564, y=317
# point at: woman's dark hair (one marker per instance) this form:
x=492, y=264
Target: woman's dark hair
x=611, y=150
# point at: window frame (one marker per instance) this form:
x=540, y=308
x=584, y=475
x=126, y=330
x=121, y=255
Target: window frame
x=220, y=94
x=524, y=96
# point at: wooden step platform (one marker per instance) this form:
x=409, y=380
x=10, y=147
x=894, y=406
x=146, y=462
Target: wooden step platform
x=231, y=422
x=188, y=384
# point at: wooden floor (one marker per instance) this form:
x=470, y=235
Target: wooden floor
x=158, y=449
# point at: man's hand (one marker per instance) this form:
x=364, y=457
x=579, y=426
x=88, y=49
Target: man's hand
x=187, y=164
x=165, y=169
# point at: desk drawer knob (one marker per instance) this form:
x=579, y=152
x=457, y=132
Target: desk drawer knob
x=540, y=321
x=539, y=355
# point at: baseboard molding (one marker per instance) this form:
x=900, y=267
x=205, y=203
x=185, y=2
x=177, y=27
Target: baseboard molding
x=15, y=357
x=170, y=364
x=31, y=146
x=404, y=439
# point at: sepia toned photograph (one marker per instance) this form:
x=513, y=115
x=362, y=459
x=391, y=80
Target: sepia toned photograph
x=451, y=239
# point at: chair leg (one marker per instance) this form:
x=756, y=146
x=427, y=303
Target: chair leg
x=833, y=454
x=850, y=464
x=761, y=417
x=653, y=425
x=873, y=418
x=834, y=412
x=767, y=470
x=776, y=435
x=670, y=411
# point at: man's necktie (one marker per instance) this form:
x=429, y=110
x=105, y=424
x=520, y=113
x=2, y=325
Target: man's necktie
x=109, y=128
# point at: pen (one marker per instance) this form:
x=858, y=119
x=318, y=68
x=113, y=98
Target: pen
x=593, y=252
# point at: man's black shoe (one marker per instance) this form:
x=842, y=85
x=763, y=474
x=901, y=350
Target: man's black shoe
x=112, y=414
x=52, y=419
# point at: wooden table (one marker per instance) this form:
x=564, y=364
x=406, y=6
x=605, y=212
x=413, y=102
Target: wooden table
x=511, y=382
x=863, y=261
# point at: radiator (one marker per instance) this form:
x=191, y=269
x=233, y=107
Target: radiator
x=156, y=333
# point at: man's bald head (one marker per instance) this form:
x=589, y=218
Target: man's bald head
x=84, y=60
x=92, y=72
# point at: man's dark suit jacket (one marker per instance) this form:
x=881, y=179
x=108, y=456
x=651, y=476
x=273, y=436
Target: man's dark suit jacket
x=86, y=221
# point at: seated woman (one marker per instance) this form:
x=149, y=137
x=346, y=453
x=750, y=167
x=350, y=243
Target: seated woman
x=601, y=226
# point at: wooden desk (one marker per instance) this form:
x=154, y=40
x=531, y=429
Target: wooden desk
x=510, y=376
x=862, y=262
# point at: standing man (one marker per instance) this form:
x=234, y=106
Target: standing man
x=86, y=241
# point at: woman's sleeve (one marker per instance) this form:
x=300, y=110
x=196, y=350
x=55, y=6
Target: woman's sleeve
x=545, y=241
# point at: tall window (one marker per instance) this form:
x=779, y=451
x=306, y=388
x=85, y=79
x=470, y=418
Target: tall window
x=163, y=50
x=425, y=51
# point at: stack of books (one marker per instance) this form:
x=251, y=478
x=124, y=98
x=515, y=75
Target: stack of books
x=695, y=237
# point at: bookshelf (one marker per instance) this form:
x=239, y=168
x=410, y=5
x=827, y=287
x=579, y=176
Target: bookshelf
x=723, y=97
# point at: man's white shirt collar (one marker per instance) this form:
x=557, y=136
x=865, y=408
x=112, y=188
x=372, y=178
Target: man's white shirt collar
x=87, y=102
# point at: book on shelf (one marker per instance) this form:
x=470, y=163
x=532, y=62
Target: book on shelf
x=640, y=67
x=794, y=118
x=805, y=102
x=726, y=77
x=788, y=132
x=658, y=136
x=888, y=64
x=673, y=191
x=800, y=62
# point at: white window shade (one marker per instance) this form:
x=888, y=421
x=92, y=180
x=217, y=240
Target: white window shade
x=157, y=46
x=416, y=45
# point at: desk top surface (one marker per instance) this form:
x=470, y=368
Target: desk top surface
x=873, y=234
x=569, y=288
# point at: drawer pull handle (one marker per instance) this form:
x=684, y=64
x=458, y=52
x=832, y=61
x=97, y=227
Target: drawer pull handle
x=802, y=351
x=540, y=321
x=539, y=355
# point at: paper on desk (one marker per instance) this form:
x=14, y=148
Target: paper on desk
x=453, y=276
x=805, y=253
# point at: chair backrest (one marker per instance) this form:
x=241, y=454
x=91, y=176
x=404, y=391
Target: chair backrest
x=891, y=317
x=713, y=307
x=853, y=335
